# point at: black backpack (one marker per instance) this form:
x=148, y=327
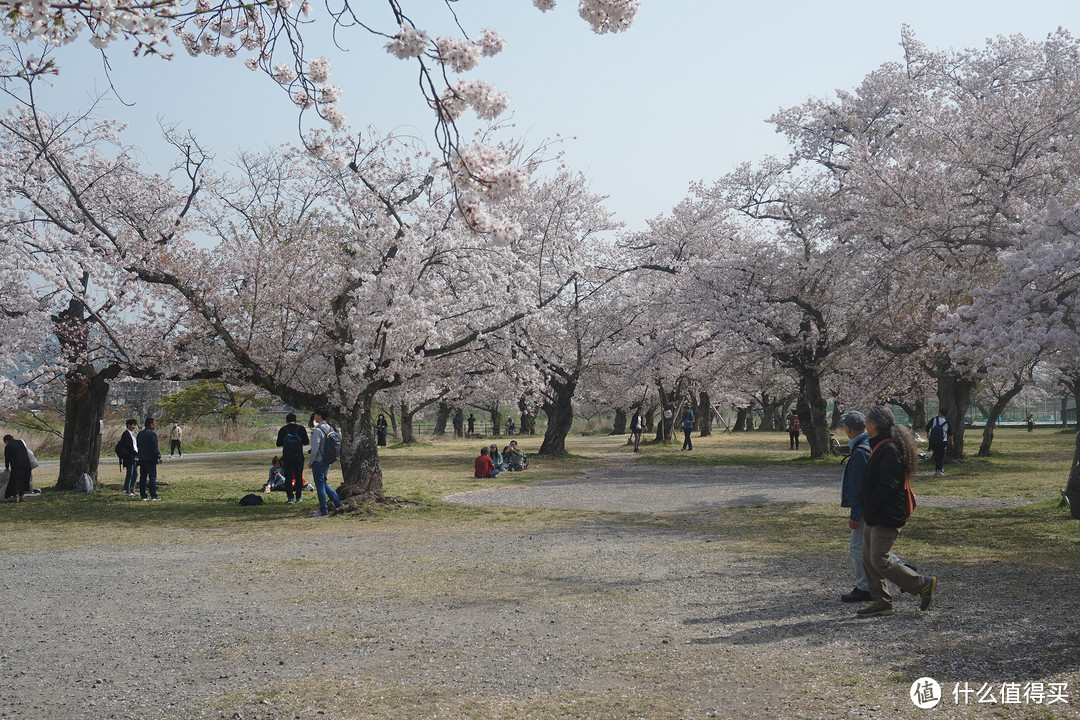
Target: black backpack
x=937, y=430
x=292, y=446
x=251, y=499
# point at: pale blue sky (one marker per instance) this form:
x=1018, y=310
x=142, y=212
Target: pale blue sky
x=682, y=96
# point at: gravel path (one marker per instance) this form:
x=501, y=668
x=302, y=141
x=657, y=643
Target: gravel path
x=530, y=616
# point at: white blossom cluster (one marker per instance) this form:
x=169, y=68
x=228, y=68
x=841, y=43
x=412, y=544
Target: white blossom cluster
x=609, y=16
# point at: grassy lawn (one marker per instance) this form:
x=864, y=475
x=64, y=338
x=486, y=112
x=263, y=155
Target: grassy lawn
x=201, y=495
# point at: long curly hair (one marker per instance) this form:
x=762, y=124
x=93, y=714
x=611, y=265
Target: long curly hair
x=882, y=416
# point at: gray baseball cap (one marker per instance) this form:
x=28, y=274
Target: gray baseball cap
x=854, y=420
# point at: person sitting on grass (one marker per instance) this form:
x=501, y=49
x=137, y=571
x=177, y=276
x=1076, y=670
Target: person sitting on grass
x=276, y=480
x=497, y=458
x=483, y=466
x=516, y=459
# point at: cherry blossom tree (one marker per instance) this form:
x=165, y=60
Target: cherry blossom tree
x=77, y=208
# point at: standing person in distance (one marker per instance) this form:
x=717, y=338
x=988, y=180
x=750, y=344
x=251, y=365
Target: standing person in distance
x=17, y=461
x=940, y=435
x=129, y=457
x=637, y=426
x=688, y=420
x=885, y=507
x=793, y=430
x=149, y=459
x=176, y=438
x=291, y=438
x=380, y=430
x=319, y=466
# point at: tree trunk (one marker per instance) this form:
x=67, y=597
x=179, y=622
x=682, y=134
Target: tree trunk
x=360, y=467
x=740, y=419
x=393, y=419
x=837, y=413
x=995, y=412
x=84, y=409
x=813, y=407
x=496, y=420
x=442, y=416
x=619, y=427
x=1065, y=411
x=407, y=436
x=954, y=394
x=650, y=417
x=704, y=414
x=560, y=416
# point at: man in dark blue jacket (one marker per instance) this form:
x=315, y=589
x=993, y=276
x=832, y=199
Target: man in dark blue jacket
x=149, y=457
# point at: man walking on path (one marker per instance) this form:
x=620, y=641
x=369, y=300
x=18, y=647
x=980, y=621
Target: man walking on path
x=319, y=466
x=940, y=435
x=149, y=458
x=688, y=420
x=793, y=430
x=291, y=438
x=176, y=437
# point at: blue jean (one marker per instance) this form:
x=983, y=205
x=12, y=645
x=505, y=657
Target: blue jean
x=322, y=488
x=132, y=476
x=855, y=546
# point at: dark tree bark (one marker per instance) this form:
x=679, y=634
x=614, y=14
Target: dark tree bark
x=360, y=454
x=995, y=412
x=837, y=413
x=704, y=414
x=442, y=416
x=393, y=420
x=954, y=395
x=407, y=415
x=619, y=426
x=741, y=419
x=496, y=420
x=559, y=409
x=84, y=410
x=813, y=413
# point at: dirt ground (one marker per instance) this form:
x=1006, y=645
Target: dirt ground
x=530, y=614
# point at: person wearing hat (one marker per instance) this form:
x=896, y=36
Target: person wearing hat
x=854, y=424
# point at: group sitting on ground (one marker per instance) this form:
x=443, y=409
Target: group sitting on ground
x=491, y=462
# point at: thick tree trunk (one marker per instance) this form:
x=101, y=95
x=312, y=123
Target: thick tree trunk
x=813, y=407
x=442, y=416
x=740, y=419
x=650, y=417
x=407, y=436
x=995, y=412
x=496, y=420
x=704, y=414
x=837, y=413
x=1065, y=411
x=560, y=416
x=360, y=467
x=619, y=426
x=84, y=410
x=954, y=394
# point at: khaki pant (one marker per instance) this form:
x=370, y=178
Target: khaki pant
x=880, y=565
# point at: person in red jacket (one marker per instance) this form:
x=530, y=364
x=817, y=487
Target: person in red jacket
x=484, y=467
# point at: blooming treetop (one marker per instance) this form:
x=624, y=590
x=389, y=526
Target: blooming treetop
x=275, y=36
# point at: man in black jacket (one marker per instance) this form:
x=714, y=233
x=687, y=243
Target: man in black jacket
x=292, y=438
x=149, y=458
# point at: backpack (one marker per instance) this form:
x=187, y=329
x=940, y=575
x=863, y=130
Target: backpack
x=120, y=449
x=292, y=446
x=937, y=430
x=251, y=499
x=794, y=424
x=85, y=483
x=331, y=446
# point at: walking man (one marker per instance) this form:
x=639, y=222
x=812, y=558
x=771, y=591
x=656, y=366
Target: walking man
x=176, y=437
x=940, y=435
x=149, y=458
x=317, y=461
x=291, y=438
x=688, y=419
x=793, y=430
